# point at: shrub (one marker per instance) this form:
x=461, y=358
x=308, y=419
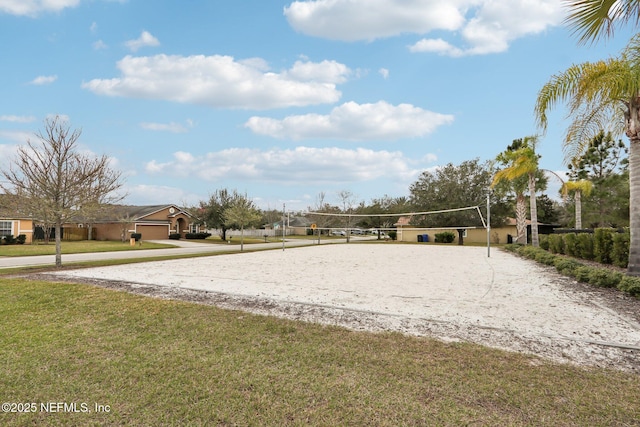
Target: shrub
x=566, y=266
x=620, y=251
x=584, y=246
x=603, y=245
x=544, y=257
x=582, y=273
x=393, y=235
x=570, y=244
x=530, y=251
x=604, y=278
x=445, y=237
x=630, y=285
x=544, y=242
x=201, y=235
x=9, y=239
x=21, y=239
x=174, y=236
x=556, y=243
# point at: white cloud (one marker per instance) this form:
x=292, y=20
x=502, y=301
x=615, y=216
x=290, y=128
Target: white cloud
x=298, y=165
x=355, y=122
x=143, y=194
x=17, y=119
x=34, y=7
x=486, y=26
x=19, y=137
x=145, y=39
x=351, y=20
x=384, y=73
x=94, y=27
x=221, y=81
x=43, y=80
x=164, y=127
x=99, y=45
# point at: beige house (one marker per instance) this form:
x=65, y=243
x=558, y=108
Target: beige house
x=154, y=222
x=13, y=226
x=409, y=233
x=13, y=222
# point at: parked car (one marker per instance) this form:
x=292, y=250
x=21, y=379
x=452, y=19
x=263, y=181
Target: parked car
x=357, y=231
x=338, y=233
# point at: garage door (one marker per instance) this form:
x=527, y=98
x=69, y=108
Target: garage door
x=153, y=232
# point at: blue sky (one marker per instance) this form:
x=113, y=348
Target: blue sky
x=282, y=100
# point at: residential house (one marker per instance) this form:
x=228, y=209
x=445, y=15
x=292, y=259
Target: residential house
x=14, y=222
x=155, y=222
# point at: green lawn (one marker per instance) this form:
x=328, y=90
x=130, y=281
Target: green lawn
x=160, y=362
x=74, y=247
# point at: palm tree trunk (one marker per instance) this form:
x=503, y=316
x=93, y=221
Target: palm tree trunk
x=578, y=200
x=534, y=210
x=521, y=218
x=634, y=205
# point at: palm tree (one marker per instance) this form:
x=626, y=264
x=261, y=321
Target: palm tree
x=522, y=162
x=578, y=188
x=591, y=18
x=602, y=95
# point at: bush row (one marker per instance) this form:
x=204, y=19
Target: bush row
x=605, y=246
x=11, y=240
x=596, y=276
x=197, y=235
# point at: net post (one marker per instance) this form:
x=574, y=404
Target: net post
x=488, y=224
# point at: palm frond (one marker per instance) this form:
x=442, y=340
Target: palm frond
x=594, y=19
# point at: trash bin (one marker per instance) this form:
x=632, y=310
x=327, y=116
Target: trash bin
x=425, y=237
x=420, y=237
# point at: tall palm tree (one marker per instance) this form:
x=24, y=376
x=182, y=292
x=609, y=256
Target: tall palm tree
x=592, y=19
x=578, y=188
x=602, y=95
x=523, y=162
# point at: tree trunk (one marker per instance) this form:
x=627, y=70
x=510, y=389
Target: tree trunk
x=578, y=200
x=634, y=206
x=521, y=219
x=58, y=244
x=534, y=210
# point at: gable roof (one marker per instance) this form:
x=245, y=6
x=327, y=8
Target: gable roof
x=136, y=213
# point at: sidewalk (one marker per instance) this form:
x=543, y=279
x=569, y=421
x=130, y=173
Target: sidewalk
x=183, y=247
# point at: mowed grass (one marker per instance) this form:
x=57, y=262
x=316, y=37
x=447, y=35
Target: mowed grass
x=75, y=247
x=161, y=362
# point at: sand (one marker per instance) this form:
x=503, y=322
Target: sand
x=448, y=292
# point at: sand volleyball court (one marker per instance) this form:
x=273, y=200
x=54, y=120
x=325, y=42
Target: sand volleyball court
x=448, y=292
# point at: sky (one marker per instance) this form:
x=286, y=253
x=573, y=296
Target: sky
x=285, y=100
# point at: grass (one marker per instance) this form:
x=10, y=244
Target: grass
x=160, y=362
x=75, y=247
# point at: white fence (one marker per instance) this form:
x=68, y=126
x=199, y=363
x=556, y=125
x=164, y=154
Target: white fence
x=252, y=232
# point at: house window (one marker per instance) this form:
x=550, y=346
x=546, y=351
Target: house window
x=464, y=233
x=5, y=228
x=193, y=228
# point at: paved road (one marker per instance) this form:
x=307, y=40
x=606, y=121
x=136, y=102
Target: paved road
x=182, y=248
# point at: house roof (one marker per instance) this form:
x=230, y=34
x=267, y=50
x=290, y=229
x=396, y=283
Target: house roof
x=137, y=213
x=10, y=209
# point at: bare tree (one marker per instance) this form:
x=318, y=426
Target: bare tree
x=348, y=201
x=54, y=181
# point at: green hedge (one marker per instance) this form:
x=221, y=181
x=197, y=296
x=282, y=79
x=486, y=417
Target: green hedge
x=605, y=245
x=596, y=276
x=445, y=237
